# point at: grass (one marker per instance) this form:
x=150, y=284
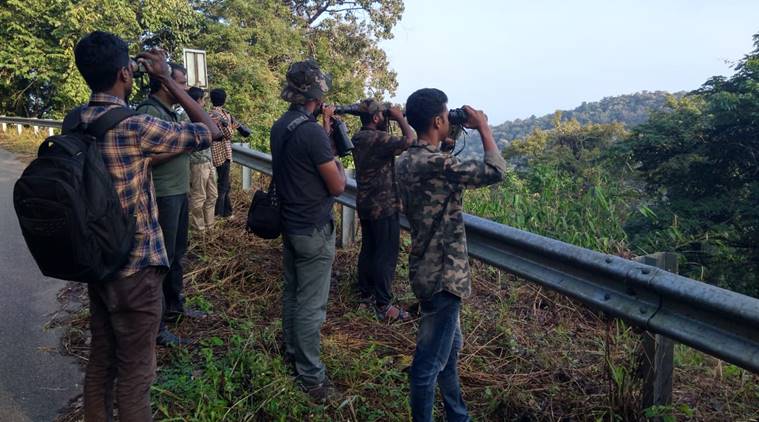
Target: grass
x=25, y=145
x=529, y=354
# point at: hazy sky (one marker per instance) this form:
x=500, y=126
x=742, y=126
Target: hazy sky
x=514, y=58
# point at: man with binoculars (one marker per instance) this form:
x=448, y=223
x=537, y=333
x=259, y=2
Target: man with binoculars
x=432, y=184
x=307, y=177
x=378, y=203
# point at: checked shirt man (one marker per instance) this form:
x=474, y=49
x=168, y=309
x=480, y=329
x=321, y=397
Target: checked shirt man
x=125, y=311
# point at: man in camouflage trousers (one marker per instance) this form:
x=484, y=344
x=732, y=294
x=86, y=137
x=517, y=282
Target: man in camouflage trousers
x=431, y=184
x=378, y=204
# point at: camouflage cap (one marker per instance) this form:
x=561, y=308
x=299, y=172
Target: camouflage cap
x=372, y=106
x=305, y=81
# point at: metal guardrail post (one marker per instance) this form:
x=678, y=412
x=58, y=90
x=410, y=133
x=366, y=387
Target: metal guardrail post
x=348, y=221
x=5, y=125
x=246, y=184
x=19, y=128
x=657, y=360
x=50, y=131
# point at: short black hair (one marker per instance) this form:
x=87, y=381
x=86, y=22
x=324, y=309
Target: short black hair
x=99, y=56
x=422, y=106
x=195, y=93
x=218, y=97
x=155, y=84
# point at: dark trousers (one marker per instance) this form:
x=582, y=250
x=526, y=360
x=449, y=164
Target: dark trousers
x=124, y=316
x=379, y=254
x=173, y=216
x=223, y=183
x=307, y=263
x=438, y=342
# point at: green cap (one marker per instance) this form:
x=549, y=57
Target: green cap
x=305, y=81
x=372, y=106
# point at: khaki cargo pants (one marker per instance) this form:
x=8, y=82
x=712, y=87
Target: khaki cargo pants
x=203, y=194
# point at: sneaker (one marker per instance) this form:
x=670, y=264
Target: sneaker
x=322, y=392
x=168, y=339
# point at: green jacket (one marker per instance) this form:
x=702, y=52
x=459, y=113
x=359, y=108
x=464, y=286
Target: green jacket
x=173, y=176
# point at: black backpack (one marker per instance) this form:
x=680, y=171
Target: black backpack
x=264, y=214
x=67, y=207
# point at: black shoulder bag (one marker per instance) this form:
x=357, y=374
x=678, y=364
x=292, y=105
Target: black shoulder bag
x=264, y=214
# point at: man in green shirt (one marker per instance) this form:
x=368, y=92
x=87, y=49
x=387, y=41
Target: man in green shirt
x=171, y=179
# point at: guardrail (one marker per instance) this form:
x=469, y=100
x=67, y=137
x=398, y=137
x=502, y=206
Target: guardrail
x=35, y=124
x=720, y=322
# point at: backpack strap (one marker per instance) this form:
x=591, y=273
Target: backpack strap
x=108, y=120
x=73, y=120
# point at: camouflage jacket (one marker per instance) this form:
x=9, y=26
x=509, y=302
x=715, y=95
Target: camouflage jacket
x=374, y=154
x=431, y=185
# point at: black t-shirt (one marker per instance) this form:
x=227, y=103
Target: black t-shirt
x=305, y=200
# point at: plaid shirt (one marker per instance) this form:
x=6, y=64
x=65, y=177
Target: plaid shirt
x=222, y=151
x=126, y=150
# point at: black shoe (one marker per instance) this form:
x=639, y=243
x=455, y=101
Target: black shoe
x=323, y=392
x=168, y=339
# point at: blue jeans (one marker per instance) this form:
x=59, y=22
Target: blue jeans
x=438, y=342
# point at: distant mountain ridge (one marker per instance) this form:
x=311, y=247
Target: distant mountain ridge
x=630, y=110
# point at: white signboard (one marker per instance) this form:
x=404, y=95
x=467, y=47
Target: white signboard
x=197, y=72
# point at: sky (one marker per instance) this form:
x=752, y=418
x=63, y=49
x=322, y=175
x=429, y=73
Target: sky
x=515, y=58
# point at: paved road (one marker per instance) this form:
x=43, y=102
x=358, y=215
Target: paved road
x=35, y=380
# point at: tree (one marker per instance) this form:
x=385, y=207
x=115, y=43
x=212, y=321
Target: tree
x=250, y=45
x=700, y=162
x=38, y=76
x=378, y=17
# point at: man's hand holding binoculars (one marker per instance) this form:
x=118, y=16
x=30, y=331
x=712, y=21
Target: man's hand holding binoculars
x=155, y=63
x=395, y=113
x=477, y=119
